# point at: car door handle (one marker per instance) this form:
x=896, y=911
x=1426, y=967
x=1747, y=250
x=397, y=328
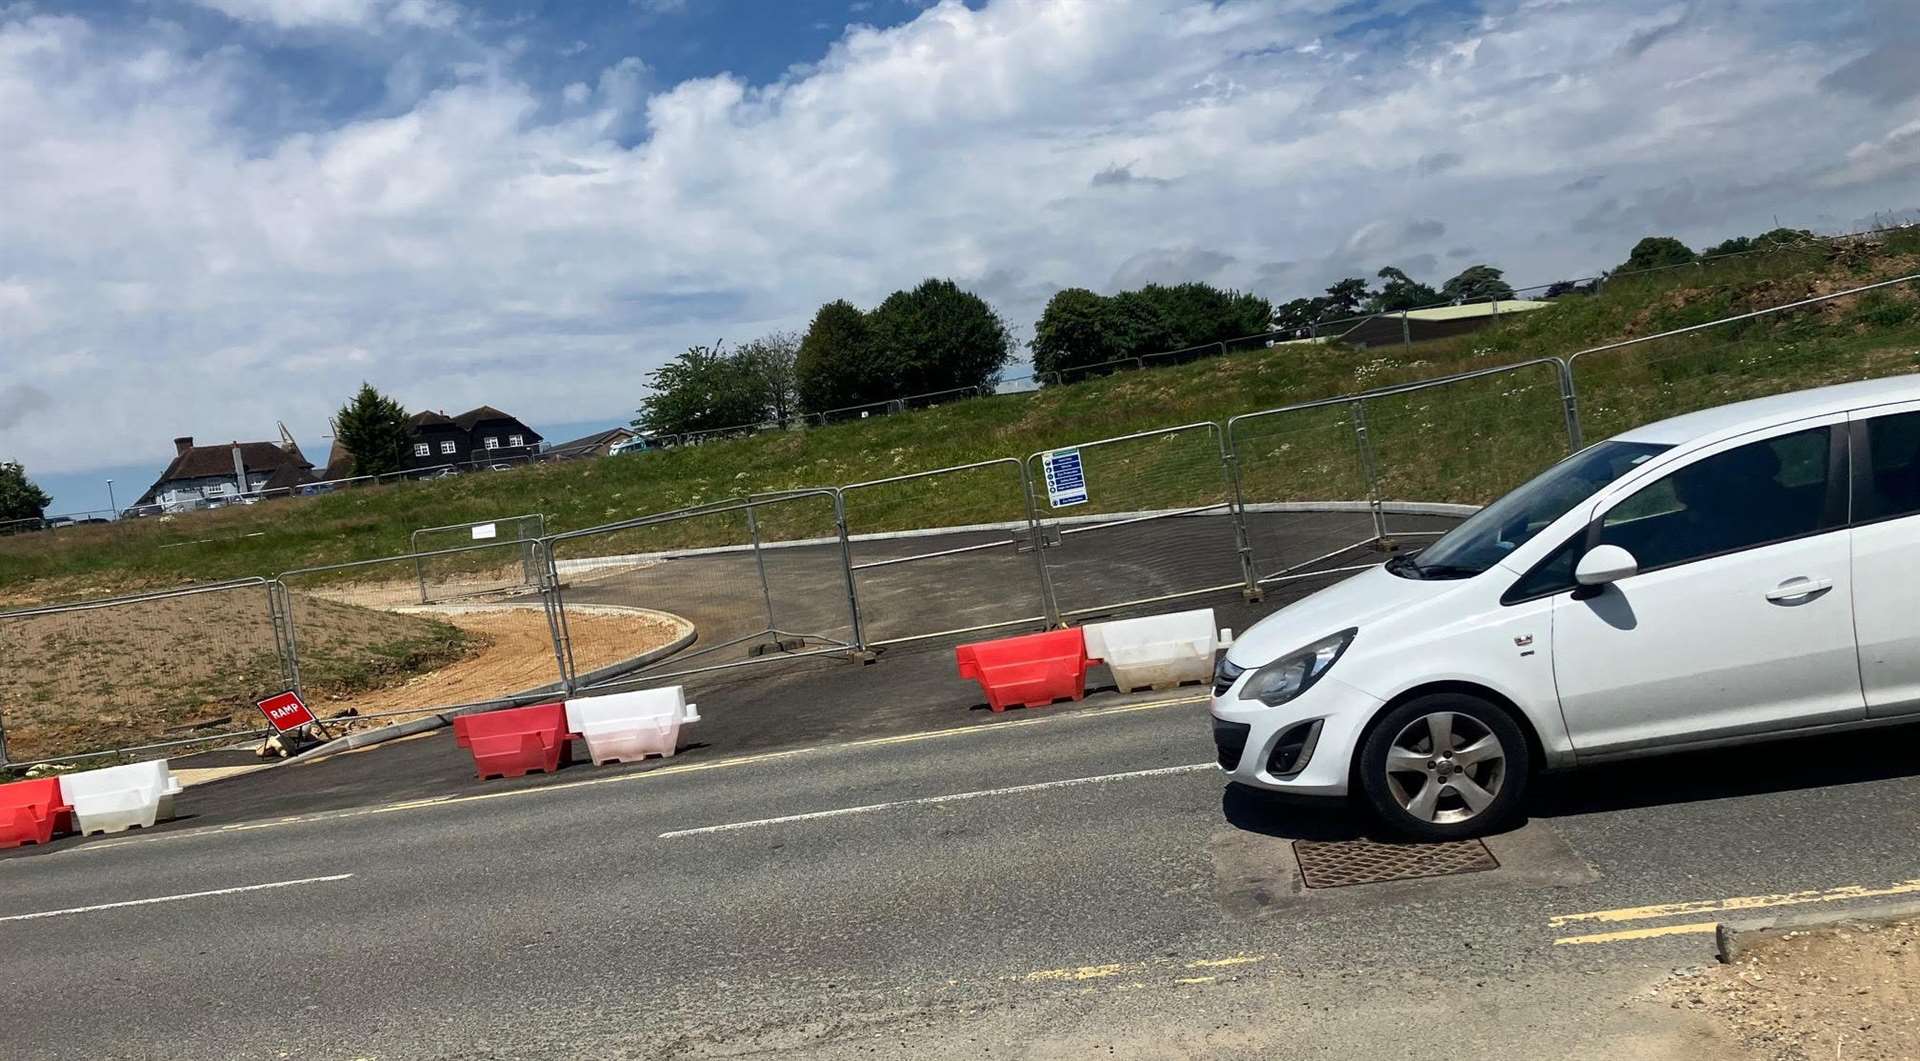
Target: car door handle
x=1798, y=589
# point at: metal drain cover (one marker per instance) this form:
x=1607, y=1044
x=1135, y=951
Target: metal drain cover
x=1340, y=863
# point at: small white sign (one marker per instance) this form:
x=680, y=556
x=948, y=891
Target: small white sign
x=1066, y=478
x=485, y=531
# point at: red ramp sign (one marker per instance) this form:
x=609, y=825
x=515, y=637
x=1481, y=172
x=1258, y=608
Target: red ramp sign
x=286, y=711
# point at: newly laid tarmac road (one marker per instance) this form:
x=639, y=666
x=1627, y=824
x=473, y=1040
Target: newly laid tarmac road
x=851, y=861
x=1060, y=882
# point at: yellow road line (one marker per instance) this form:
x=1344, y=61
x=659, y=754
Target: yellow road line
x=1737, y=903
x=642, y=775
x=1624, y=935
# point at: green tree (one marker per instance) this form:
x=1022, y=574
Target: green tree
x=1077, y=327
x=374, y=428
x=771, y=359
x=1199, y=313
x=1345, y=299
x=836, y=365
x=704, y=389
x=1655, y=252
x=1300, y=315
x=1477, y=283
x=19, y=497
x=1401, y=292
x=938, y=337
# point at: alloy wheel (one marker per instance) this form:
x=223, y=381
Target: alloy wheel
x=1445, y=767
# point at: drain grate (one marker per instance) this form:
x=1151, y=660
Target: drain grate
x=1340, y=863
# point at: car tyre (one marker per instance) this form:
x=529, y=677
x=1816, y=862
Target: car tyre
x=1445, y=766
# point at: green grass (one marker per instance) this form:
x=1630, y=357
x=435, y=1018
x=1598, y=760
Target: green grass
x=1464, y=443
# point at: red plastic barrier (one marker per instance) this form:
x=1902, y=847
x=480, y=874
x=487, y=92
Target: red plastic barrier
x=1032, y=670
x=32, y=811
x=512, y=742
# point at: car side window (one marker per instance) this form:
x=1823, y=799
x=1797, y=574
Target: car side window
x=1762, y=492
x=1554, y=574
x=1888, y=484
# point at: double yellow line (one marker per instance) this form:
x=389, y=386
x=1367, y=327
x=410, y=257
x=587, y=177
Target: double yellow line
x=1735, y=904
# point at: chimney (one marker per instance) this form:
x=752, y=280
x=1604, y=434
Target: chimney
x=182, y=444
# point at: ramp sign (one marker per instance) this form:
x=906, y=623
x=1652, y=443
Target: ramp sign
x=286, y=711
x=1066, y=478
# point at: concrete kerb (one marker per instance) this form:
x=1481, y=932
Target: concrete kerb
x=1398, y=508
x=438, y=720
x=1734, y=938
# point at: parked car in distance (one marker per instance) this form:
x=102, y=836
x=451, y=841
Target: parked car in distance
x=631, y=445
x=1742, y=573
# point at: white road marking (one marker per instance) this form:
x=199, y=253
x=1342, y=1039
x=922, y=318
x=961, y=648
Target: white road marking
x=950, y=798
x=177, y=898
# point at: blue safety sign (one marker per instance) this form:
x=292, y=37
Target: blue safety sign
x=1066, y=478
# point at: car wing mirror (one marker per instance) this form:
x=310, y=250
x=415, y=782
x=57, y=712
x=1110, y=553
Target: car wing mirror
x=1605, y=564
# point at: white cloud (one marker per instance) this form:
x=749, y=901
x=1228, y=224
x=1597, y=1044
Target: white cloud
x=305, y=14
x=191, y=267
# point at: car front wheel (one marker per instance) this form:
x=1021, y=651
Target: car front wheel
x=1445, y=766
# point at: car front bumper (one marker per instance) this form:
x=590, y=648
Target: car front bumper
x=1315, y=734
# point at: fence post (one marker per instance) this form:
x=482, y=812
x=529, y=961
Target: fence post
x=553, y=599
x=1406, y=329
x=846, y=570
x=760, y=564
x=1365, y=441
x=1243, y=543
x=1038, y=538
x=1569, y=404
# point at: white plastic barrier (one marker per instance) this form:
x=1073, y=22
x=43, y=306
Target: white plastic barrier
x=627, y=727
x=1157, y=651
x=120, y=797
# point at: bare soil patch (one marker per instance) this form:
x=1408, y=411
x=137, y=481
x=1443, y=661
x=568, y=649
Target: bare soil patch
x=515, y=653
x=132, y=673
x=1850, y=992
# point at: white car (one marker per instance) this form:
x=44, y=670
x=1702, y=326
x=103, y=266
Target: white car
x=1736, y=574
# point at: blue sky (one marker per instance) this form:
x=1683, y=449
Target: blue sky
x=227, y=213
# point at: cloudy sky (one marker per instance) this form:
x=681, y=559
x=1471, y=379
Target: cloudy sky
x=216, y=214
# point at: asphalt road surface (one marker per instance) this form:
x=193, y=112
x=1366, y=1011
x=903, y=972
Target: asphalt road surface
x=862, y=861
x=1051, y=884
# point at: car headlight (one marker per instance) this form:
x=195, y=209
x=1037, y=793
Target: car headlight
x=1293, y=674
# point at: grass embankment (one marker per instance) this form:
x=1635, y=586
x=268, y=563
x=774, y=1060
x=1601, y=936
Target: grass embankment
x=1465, y=443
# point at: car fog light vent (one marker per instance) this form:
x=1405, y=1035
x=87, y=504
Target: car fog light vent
x=1294, y=749
x=1342, y=863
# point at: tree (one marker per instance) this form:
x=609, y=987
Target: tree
x=1346, y=298
x=1655, y=252
x=1299, y=316
x=1197, y=313
x=19, y=497
x=1078, y=327
x=1477, y=283
x=938, y=337
x=374, y=428
x=771, y=359
x=1401, y=292
x=703, y=389
x=836, y=366
x=1736, y=245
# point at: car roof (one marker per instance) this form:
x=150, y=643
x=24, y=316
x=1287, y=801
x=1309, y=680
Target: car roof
x=1777, y=409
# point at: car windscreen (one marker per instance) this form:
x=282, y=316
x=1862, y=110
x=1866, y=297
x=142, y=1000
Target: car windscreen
x=1487, y=536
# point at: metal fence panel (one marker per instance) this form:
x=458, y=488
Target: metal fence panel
x=1464, y=440
x=137, y=673
x=1160, y=521
x=364, y=643
x=740, y=582
x=978, y=571
x=1307, y=482
x=446, y=570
